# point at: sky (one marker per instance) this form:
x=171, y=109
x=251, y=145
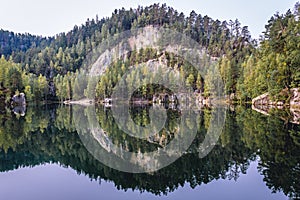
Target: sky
x=50, y=17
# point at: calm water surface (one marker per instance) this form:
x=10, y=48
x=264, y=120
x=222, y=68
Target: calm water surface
x=42, y=157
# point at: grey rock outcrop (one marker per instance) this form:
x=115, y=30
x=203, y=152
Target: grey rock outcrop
x=19, y=99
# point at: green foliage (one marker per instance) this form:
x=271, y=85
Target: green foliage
x=66, y=51
x=246, y=70
x=13, y=78
x=275, y=64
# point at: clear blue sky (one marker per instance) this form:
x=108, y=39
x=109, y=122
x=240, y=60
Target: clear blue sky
x=49, y=17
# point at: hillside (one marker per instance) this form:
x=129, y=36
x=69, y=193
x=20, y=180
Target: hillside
x=50, y=68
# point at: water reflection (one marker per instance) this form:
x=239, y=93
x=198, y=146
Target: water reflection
x=49, y=135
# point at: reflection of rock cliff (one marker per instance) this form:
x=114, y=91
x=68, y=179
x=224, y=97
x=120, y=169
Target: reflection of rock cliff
x=20, y=110
x=132, y=156
x=292, y=115
x=295, y=100
x=19, y=103
x=264, y=105
x=296, y=115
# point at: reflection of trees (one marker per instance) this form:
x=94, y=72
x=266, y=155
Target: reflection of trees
x=37, y=139
x=140, y=117
x=231, y=139
x=276, y=143
x=14, y=131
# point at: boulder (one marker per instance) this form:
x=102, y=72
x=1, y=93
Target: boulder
x=19, y=99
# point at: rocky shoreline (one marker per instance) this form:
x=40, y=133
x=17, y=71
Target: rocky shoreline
x=263, y=104
x=265, y=99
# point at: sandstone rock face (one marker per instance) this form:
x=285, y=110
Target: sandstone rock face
x=264, y=99
x=19, y=99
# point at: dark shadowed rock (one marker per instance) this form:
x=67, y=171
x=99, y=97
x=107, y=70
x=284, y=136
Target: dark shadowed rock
x=19, y=99
x=20, y=110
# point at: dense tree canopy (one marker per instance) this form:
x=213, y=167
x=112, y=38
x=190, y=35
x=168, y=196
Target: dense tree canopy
x=63, y=54
x=274, y=66
x=246, y=69
x=13, y=80
x=51, y=69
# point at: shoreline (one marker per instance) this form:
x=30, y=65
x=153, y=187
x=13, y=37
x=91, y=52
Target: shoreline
x=84, y=102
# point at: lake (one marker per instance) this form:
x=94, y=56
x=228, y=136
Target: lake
x=76, y=152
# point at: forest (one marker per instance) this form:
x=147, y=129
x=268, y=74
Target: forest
x=50, y=68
